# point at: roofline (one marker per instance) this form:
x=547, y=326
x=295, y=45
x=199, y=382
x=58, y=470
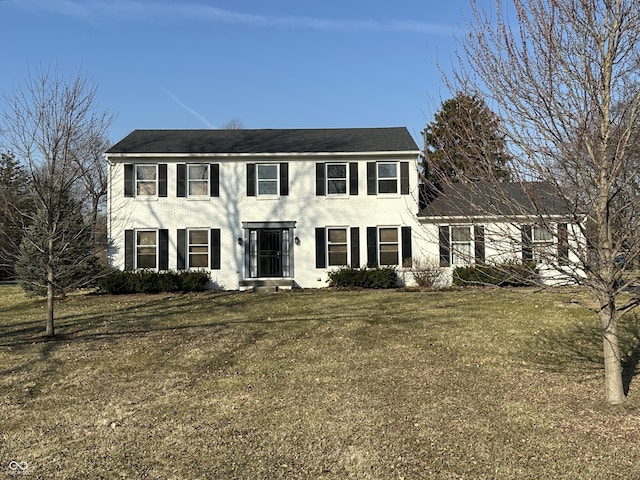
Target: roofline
x=115, y=156
x=502, y=218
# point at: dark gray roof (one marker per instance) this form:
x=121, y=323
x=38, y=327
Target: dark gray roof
x=489, y=199
x=330, y=140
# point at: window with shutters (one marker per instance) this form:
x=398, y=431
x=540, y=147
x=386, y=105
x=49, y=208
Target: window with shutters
x=146, y=249
x=146, y=180
x=267, y=177
x=337, y=246
x=542, y=243
x=198, y=248
x=336, y=179
x=198, y=180
x=388, y=246
x=461, y=245
x=387, y=177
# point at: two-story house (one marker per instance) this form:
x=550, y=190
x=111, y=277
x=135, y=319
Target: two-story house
x=278, y=207
x=285, y=207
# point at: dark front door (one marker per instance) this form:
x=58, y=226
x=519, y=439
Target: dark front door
x=269, y=253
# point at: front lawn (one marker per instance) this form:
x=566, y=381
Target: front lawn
x=474, y=384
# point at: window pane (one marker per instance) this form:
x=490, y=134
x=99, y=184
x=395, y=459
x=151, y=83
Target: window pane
x=388, y=254
x=267, y=187
x=337, y=235
x=387, y=186
x=389, y=235
x=387, y=170
x=541, y=234
x=146, y=188
x=337, y=171
x=146, y=238
x=146, y=261
x=266, y=172
x=198, y=260
x=461, y=254
x=460, y=234
x=337, y=254
x=198, y=188
x=198, y=237
x=145, y=172
x=337, y=186
x=198, y=172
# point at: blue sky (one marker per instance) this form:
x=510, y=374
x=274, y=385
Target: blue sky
x=270, y=64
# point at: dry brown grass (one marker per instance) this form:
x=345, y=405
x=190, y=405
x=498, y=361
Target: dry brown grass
x=469, y=384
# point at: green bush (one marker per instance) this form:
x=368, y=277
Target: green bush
x=509, y=274
x=377, y=277
x=146, y=281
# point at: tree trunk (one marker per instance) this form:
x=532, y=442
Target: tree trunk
x=614, y=389
x=50, y=331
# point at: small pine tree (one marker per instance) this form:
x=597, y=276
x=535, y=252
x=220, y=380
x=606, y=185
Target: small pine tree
x=73, y=261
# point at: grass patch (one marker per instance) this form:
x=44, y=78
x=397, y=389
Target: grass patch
x=478, y=384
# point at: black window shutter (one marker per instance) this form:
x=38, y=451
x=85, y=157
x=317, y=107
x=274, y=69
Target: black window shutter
x=129, y=249
x=527, y=247
x=478, y=234
x=163, y=249
x=321, y=256
x=355, y=247
x=162, y=180
x=372, y=246
x=284, y=179
x=251, y=179
x=371, y=178
x=320, y=179
x=214, y=180
x=563, y=244
x=445, y=247
x=404, y=178
x=215, y=249
x=129, y=181
x=407, y=256
x=181, y=180
x=181, y=249
x=353, y=178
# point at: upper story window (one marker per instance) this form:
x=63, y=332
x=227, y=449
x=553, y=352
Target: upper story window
x=146, y=180
x=385, y=178
x=198, y=179
x=267, y=179
x=336, y=179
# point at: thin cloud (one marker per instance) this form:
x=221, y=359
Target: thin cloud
x=144, y=10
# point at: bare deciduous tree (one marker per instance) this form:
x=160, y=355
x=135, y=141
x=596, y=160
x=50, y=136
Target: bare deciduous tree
x=564, y=76
x=49, y=123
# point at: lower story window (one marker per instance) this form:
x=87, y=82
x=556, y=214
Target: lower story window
x=461, y=245
x=198, y=248
x=146, y=249
x=388, y=244
x=337, y=246
x=542, y=240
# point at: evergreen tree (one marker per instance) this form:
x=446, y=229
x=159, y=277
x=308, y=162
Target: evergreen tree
x=15, y=207
x=71, y=258
x=464, y=143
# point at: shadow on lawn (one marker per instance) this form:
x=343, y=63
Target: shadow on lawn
x=581, y=346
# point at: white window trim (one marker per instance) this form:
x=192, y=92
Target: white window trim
x=470, y=260
x=347, y=243
x=397, y=243
x=345, y=178
x=136, y=181
x=204, y=196
x=137, y=246
x=277, y=181
x=397, y=179
x=189, y=244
